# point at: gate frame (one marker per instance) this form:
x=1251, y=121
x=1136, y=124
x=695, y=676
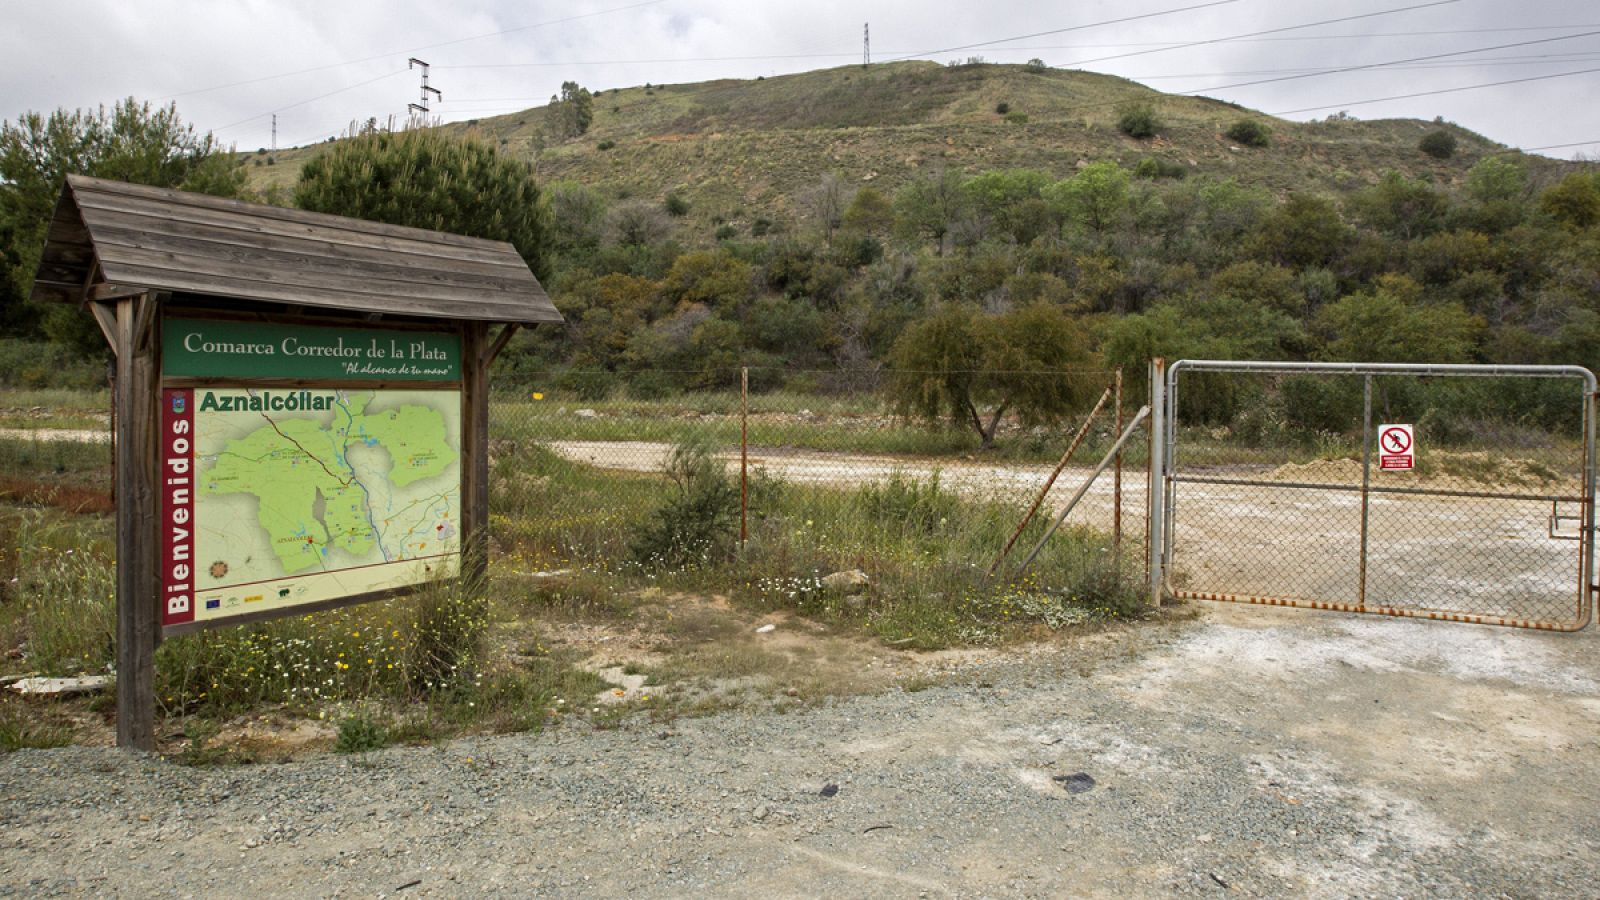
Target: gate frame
x=1162, y=494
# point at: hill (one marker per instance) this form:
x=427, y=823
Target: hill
x=737, y=150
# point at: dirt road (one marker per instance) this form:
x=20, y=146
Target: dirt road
x=1252, y=752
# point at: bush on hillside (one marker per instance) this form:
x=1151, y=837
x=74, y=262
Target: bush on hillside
x=1138, y=120
x=1250, y=132
x=1438, y=144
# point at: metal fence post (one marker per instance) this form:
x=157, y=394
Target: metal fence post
x=744, y=455
x=1116, y=481
x=1156, y=493
x=1366, y=486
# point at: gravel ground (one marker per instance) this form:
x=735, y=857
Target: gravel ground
x=1249, y=751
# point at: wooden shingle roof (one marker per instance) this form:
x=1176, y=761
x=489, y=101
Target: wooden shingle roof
x=136, y=237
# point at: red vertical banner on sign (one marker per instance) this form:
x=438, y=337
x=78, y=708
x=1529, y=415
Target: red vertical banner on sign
x=177, y=507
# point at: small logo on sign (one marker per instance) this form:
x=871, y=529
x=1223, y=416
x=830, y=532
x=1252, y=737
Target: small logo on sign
x=178, y=403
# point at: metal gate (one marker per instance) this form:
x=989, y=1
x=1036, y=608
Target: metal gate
x=1275, y=490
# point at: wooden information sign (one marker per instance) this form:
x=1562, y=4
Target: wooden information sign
x=300, y=406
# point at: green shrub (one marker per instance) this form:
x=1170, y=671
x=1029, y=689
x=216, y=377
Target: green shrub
x=698, y=522
x=360, y=734
x=676, y=205
x=38, y=364
x=1438, y=144
x=1155, y=167
x=592, y=385
x=1138, y=120
x=1250, y=132
x=1002, y=107
x=726, y=233
x=605, y=145
x=906, y=503
x=1035, y=66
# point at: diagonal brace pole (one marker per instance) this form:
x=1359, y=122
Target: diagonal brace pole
x=1084, y=488
x=1050, y=482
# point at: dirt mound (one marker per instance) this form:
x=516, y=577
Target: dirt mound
x=1475, y=470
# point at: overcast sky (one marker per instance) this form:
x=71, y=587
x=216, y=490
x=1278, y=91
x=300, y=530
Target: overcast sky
x=321, y=64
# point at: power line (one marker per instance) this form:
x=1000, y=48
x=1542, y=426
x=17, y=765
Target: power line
x=667, y=60
x=1023, y=37
x=1546, y=59
x=1414, y=59
x=413, y=50
x=1559, y=146
x=1454, y=90
x=311, y=100
x=1535, y=59
x=1253, y=34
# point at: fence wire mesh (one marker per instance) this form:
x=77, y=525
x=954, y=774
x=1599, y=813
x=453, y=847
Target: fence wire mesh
x=1279, y=493
x=777, y=489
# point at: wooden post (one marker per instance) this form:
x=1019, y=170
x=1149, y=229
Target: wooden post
x=475, y=453
x=138, y=580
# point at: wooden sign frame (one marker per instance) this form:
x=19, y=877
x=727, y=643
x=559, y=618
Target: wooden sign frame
x=136, y=256
x=132, y=324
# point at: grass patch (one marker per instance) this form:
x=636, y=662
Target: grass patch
x=361, y=733
x=23, y=727
x=56, y=591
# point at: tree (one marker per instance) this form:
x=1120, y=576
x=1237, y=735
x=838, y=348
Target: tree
x=1497, y=178
x=577, y=213
x=1498, y=185
x=1305, y=231
x=827, y=202
x=710, y=277
x=1095, y=198
x=1401, y=207
x=1574, y=201
x=1012, y=200
x=1392, y=324
x=129, y=142
x=869, y=212
x=571, y=113
x=428, y=179
x=929, y=205
x=972, y=369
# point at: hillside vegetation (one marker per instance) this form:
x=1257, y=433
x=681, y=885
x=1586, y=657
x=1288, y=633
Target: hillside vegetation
x=742, y=150
x=933, y=219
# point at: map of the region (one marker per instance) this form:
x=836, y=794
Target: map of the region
x=309, y=495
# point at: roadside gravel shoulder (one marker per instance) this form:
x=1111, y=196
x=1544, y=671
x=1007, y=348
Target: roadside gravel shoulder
x=1253, y=752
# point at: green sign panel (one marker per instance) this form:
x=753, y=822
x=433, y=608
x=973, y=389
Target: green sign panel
x=204, y=348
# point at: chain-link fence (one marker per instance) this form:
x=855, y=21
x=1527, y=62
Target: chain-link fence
x=860, y=472
x=1301, y=485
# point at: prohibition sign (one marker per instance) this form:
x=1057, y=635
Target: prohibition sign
x=1395, y=440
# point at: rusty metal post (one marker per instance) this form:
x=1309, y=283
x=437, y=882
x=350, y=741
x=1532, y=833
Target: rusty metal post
x=1116, y=479
x=744, y=455
x=1038, y=501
